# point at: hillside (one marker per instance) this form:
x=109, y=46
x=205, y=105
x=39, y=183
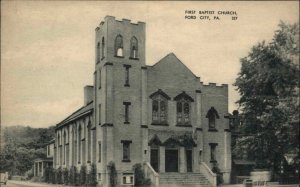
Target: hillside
x=20, y=146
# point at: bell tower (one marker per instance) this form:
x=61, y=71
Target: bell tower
x=120, y=91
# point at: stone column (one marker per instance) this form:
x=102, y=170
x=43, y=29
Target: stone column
x=162, y=160
x=42, y=174
x=182, y=160
x=227, y=156
x=38, y=169
x=34, y=169
x=196, y=167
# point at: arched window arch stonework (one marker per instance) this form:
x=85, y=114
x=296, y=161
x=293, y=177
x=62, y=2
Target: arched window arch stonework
x=119, y=46
x=183, y=109
x=133, y=48
x=212, y=115
x=79, y=143
x=98, y=52
x=102, y=48
x=89, y=141
x=159, y=108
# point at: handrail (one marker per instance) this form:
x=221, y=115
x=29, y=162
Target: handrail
x=151, y=173
x=207, y=172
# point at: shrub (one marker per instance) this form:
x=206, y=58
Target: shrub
x=59, y=176
x=139, y=176
x=29, y=174
x=72, y=175
x=217, y=171
x=46, y=175
x=92, y=176
x=83, y=175
x=66, y=176
x=53, y=176
x=112, y=174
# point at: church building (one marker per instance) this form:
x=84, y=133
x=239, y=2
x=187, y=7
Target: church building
x=161, y=116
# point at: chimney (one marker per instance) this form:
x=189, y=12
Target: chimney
x=88, y=94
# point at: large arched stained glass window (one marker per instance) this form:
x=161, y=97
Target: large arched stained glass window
x=159, y=107
x=183, y=109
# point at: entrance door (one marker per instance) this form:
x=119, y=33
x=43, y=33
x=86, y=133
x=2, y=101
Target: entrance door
x=154, y=159
x=171, y=162
x=189, y=160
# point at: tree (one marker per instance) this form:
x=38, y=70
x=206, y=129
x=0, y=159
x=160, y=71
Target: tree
x=139, y=176
x=268, y=83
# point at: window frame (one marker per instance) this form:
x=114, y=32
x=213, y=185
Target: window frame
x=127, y=75
x=134, y=48
x=212, y=116
x=126, y=152
x=126, y=112
x=213, y=152
x=119, y=46
x=160, y=118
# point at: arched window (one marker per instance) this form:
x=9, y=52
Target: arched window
x=183, y=109
x=79, y=143
x=65, y=142
x=98, y=52
x=159, y=107
x=133, y=48
x=212, y=115
x=58, y=140
x=102, y=47
x=89, y=141
x=119, y=46
x=74, y=151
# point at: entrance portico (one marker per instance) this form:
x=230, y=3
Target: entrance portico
x=173, y=155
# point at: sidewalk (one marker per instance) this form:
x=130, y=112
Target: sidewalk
x=31, y=184
x=268, y=185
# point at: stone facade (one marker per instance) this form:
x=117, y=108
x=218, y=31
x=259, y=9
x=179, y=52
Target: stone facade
x=134, y=113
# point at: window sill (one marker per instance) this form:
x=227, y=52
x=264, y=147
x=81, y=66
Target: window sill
x=119, y=56
x=183, y=125
x=131, y=58
x=160, y=124
x=126, y=160
x=212, y=130
x=126, y=122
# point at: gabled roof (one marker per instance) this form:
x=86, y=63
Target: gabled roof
x=183, y=95
x=171, y=58
x=159, y=92
x=78, y=113
x=154, y=141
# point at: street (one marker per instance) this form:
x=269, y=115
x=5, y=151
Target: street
x=12, y=183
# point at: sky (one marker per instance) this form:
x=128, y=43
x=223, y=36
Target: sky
x=47, y=47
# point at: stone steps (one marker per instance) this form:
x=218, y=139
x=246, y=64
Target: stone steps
x=183, y=180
